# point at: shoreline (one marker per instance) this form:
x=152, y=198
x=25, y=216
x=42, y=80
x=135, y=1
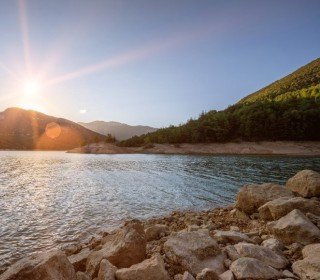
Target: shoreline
x=250, y=239
x=280, y=148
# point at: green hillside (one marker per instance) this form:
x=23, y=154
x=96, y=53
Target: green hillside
x=288, y=109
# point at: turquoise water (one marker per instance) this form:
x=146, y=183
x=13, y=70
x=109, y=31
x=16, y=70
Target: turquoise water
x=52, y=198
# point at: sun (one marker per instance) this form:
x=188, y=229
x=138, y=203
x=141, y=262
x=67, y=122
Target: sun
x=31, y=87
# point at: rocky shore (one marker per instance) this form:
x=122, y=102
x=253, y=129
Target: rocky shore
x=271, y=232
x=293, y=148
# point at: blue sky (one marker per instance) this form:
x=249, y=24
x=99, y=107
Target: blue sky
x=149, y=62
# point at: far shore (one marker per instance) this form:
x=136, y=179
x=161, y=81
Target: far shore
x=290, y=148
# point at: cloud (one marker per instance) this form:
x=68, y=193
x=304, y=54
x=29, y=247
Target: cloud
x=83, y=111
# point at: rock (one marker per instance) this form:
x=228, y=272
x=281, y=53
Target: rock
x=187, y=276
x=193, y=228
x=234, y=228
x=236, y=213
x=295, y=227
x=231, y=237
x=309, y=267
x=154, y=232
x=51, y=265
x=150, y=269
x=178, y=277
x=314, y=219
x=227, y=275
x=257, y=239
x=194, y=251
x=82, y=276
x=251, y=197
x=232, y=252
x=207, y=274
x=288, y=274
x=276, y=209
x=107, y=271
x=273, y=244
x=261, y=253
x=306, y=183
x=123, y=249
x=79, y=260
x=250, y=268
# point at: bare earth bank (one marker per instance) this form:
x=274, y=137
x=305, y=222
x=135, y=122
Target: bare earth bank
x=303, y=148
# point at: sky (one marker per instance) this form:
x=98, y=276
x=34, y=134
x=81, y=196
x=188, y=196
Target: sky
x=148, y=62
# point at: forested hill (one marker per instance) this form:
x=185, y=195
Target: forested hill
x=288, y=109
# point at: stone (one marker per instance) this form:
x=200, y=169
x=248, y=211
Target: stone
x=309, y=267
x=51, y=265
x=251, y=197
x=276, y=209
x=236, y=213
x=306, y=183
x=250, y=268
x=187, y=276
x=195, y=251
x=261, y=253
x=234, y=228
x=257, y=239
x=154, y=232
x=79, y=260
x=231, y=237
x=150, y=269
x=106, y=271
x=273, y=244
x=232, y=252
x=314, y=219
x=82, y=276
x=227, y=275
x=123, y=248
x=295, y=227
x=207, y=274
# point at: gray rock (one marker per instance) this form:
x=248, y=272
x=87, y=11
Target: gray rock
x=231, y=237
x=250, y=268
x=306, y=183
x=150, y=269
x=309, y=267
x=52, y=265
x=207, y=274
x=276, y=209
x=273, y=244
x=195, y=251
x=227, y=275
x=251, y=197
x=261, y=253
x=295, y=227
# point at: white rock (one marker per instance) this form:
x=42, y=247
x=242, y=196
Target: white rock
x=150, y=269
x=207, y=274
x=295, y=227
x=227, y=275
x=261, y=253
x=231, y=237
x=250, y=268
x=195, y=251
x=306, y=183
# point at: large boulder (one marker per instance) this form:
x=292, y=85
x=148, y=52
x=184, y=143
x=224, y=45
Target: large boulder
x=309, y=267
x=251, y=197
x=261, y=253
x=250, y=268
x=123, y=249
x=231, y=237
x=195, y=251
x=51, y=265
x=306, y=183
x=276, y=209
x=150, y=269
x=295, y=227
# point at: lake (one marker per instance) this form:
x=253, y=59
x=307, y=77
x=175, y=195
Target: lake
x=49, y=199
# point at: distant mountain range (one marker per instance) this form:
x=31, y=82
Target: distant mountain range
x=31, y=130
x=119, y=130
x=288, y=109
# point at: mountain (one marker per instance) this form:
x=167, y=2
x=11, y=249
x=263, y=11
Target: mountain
x=288, y=109
x=119, y=130
x=31, y=130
